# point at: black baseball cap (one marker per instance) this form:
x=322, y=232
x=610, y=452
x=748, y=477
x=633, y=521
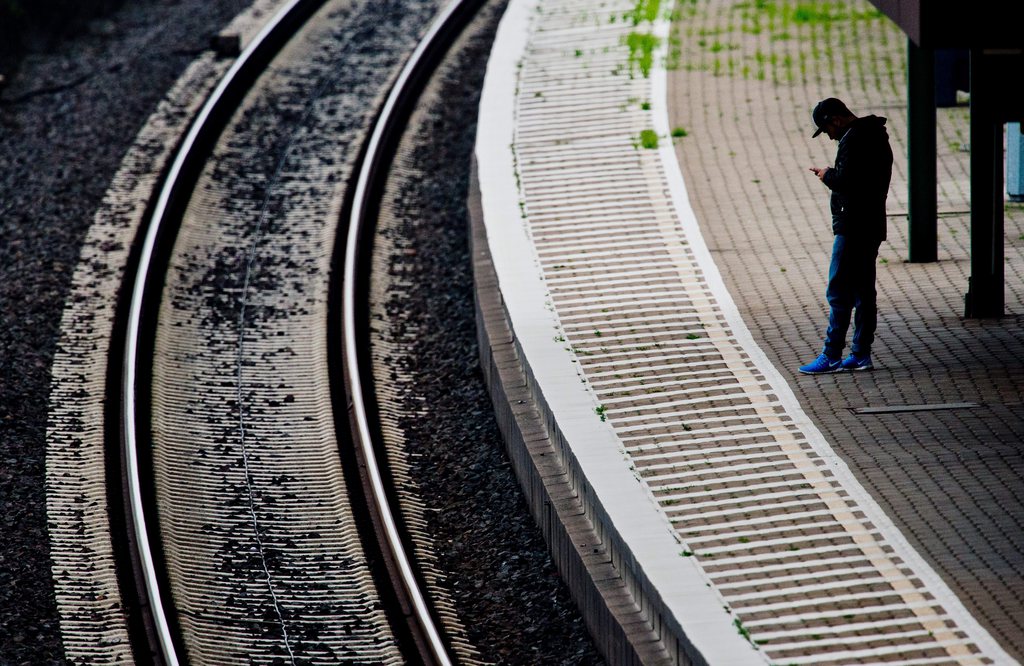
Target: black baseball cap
x=825, y=109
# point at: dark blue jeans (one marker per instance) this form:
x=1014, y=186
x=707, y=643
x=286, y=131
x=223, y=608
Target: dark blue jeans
x=851, y=286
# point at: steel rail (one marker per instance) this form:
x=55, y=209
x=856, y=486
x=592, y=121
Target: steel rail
x=440, y=35
x=387, y=126
x=186, y=154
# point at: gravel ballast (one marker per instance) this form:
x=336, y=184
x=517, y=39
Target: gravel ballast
x=499, y=574
x=66, y=120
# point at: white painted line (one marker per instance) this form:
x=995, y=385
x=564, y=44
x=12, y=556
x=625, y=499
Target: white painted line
x=852, y=627
x=700, y=454
x=751, y=522
x=926, y=608
x=669, y=496
x=847, y=655
x=822, y=639
x=781, y=611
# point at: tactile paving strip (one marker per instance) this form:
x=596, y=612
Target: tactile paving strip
x=810, y=569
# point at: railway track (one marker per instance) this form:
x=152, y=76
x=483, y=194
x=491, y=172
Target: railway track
x=250, y=537
x=261, y=526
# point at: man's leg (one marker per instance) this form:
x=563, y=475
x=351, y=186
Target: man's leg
x=866, y=317
x=840, y=295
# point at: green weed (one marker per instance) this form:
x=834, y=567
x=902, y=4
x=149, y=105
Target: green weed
x=649, y=138
x=643, y=10
x=641, y=51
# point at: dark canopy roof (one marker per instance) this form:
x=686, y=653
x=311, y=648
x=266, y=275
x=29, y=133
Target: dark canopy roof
x=986, y=24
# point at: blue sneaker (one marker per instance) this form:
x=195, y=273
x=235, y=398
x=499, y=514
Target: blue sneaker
x=855, y=363
x=822, y=365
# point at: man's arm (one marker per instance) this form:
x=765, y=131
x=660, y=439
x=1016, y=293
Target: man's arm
x=843, y=176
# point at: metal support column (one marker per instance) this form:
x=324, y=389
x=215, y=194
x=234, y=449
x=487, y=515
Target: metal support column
x=985, y=291
x=923, y=191
x=1015, y=161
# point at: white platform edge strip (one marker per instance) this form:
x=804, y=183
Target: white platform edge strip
x=954, y=608
x=634, y=514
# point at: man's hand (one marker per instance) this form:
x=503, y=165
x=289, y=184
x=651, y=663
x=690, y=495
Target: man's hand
x=820, y=173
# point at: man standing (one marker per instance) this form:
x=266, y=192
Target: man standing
x=860, y=183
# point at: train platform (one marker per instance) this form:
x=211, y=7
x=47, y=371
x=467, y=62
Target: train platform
x=660, y=251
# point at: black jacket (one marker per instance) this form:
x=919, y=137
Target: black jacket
x=860, y=180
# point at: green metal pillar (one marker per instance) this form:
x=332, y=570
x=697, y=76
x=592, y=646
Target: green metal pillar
x=921, y=154
x=985, y=297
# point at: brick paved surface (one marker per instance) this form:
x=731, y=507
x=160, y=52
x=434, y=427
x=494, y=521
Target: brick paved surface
x=742, y=86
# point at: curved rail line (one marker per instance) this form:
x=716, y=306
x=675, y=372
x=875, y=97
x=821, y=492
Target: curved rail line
x=372, y=171
x=204, y=128
x=156, y=614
